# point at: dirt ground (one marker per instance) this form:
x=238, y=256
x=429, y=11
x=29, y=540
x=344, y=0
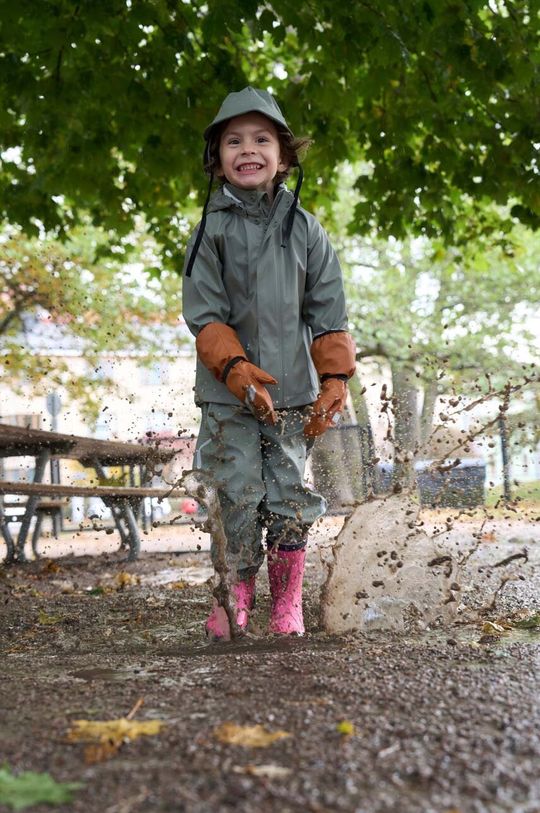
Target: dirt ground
x=443, y=721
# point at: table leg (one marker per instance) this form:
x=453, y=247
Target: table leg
x=41, y=463
x=116, y=509
x=35, y=535
x=124, y=510
x=133, y=531
x=8, y=539
x=117, y=516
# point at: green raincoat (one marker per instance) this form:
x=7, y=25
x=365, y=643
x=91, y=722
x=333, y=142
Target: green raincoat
x=277, y=299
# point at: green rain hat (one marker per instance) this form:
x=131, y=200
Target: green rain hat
x=248, y=100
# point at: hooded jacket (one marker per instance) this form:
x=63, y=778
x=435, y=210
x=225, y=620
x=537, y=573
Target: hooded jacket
x=278, y=299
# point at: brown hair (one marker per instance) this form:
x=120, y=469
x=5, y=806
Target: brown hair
x=292, y=150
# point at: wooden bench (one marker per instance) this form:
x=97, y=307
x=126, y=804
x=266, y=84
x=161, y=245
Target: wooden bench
x=124, y=503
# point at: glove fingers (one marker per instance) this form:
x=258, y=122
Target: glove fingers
x=264, y=378
x=263, y=406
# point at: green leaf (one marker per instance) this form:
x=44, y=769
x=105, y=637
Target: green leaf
x=528, y=623
x=30, y=788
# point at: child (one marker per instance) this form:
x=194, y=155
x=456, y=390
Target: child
x=263, y=294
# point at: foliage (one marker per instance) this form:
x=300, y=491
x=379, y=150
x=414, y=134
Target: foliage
x=28, y=788
x=440, y=310
x=93, y=306
x=103, y=106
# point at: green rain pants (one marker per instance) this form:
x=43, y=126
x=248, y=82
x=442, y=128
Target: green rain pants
x=259, y=471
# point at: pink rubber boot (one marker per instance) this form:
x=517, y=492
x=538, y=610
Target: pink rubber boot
x=217, y=625
x=286, y=574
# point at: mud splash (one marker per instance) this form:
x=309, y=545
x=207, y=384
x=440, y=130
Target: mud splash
x=386, y=573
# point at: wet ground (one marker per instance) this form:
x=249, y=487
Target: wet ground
x=442, y=721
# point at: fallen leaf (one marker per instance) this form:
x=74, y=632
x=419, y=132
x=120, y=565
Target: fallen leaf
x=104, y=737
x=99, y=590
x=124, y=579
x=492, y=628
x=250, y=736
x=266, y=771
x=346, y=728
x=46, y=619
x=51, y=567
x=177, y=585
x=29, y=788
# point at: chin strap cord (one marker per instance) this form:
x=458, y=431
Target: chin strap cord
x=292, y=211
x=202, y=225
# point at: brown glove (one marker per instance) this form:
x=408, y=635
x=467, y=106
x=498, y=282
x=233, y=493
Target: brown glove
x=334, y=357
x=331, y=400
x=220, y=350
x=246, y=381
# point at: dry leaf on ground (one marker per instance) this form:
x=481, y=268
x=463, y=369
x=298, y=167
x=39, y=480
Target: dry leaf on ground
x=105, y=737
x=250, y=736
x=267, y=771
x=47, y=620
x=124, y=579
x=492, y=628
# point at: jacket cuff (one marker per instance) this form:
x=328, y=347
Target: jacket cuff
x=341, y=377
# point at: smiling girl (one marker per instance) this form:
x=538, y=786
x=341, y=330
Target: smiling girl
x=263, y=294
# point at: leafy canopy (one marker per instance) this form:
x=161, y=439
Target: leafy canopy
x=103, y=105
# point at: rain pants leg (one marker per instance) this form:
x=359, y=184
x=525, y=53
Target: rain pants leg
x=259, y=471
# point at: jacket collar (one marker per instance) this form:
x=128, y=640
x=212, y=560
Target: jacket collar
x=254, y=202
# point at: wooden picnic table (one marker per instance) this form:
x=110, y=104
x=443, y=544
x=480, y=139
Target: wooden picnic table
x=17, y=441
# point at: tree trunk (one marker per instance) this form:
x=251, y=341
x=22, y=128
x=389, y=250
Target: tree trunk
x=332, y=478
x=365, y=434
x=406, y=426
x=431, y=392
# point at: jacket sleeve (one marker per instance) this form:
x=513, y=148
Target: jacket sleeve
x=204, y=298
x=324, y=299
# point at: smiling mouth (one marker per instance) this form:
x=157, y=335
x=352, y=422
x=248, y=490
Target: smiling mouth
x=248, y=167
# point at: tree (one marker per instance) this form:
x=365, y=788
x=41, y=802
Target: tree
x=443, y=320
x=103, y=105
x=98, y=306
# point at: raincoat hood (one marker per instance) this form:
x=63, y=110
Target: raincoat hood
x=248, y=100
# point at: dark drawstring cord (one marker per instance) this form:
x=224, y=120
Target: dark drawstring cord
x=292, y=211
x=200, y=233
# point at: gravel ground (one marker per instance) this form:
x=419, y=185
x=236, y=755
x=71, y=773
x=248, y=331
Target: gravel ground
x=444, y=721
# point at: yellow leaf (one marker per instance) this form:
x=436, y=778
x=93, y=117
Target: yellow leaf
x=45, y=618
x=346, y=728
x=267, y=771
x=105, y=737
x=124, y=579
x=177, y=585
x=491, y=628
x=250, y=736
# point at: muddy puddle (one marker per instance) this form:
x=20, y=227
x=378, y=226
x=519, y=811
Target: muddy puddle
x=192, y=575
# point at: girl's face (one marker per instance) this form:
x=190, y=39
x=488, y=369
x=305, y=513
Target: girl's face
x=250, y=153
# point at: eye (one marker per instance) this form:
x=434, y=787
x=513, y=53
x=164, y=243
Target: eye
x=232, y=141
x=262, y=138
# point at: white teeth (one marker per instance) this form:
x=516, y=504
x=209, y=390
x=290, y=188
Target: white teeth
x=248, y=167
